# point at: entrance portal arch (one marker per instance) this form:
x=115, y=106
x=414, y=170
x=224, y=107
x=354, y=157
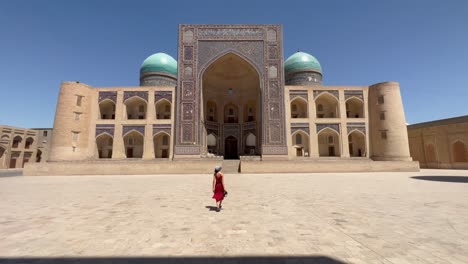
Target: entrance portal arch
x=231, y=83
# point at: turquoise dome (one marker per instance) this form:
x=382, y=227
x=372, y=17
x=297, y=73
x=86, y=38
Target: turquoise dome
x=159, y=62
x=301, y=61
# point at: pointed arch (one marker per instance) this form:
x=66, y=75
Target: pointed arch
x=329, y=142
x=357, y=143
x=300, y=143
x=299, y=108
x=212, y=111
x=135, y=107
x=163, y=109
x=107, y=109
x=162, y=145
x=134, y=143
x=327, y=106
x=28, y=143
x=354, y=107
x=104, y=145
x=16, y=141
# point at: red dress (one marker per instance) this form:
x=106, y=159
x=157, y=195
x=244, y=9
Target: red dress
x=219, y=189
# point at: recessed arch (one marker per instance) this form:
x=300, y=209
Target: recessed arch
x=231, y=148
x=16, y=141
x=107, y=109
x=329, y=106
x=329, y=143
x=134, y=143
x=104, y=145
x=28, y=143
x=354, y=107
x=299, y=108
x=300, y=143
x=2, y=157
x=162, y=145
x=212, y=143
x=163, y=109
x=231, y=92
x=135, y=107
x=357, y=143
x=250, y=144
x=459, y=151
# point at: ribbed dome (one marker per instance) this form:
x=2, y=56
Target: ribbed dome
x=301, y=61
x=159, y=62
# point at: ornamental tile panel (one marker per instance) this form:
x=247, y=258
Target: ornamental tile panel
x=104, y=128
x=158, y=95
x=355, y=93
x=107, y=95
x=332, y=92
x=335, y=127
x=142, y=94
x=127, y=129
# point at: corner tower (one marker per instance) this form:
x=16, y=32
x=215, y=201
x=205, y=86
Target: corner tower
x=388, y=132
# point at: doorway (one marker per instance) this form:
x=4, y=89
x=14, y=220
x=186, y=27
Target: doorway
x=230, y=148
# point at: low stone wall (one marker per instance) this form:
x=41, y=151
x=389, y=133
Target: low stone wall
x=190, y=166
x=304, y=166
x=127, y=167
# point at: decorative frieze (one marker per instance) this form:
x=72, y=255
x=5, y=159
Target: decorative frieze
x=158, y=95
x=332, y=92
x=142, y=94
x=104, y=129
x=111, y=95
x=300, y=126
x=298, y=93
x=161, y=128
x=187, y=150
x=127, y=129
x=335, y=127
x=274, y=150
x=231, y=130
x=356, y=126
x=230, y=32
x=353, y=93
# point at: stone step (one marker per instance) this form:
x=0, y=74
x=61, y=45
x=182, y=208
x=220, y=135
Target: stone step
x=231, y=166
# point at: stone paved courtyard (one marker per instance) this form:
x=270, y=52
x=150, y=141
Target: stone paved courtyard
x=351, y=217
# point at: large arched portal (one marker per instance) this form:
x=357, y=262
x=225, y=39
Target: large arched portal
x=230, y=85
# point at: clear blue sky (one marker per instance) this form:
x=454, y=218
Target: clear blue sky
x=421, y=44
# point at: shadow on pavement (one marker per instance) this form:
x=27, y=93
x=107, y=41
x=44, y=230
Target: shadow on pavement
x=462, y=179
x=10, y=173
x=178, y=260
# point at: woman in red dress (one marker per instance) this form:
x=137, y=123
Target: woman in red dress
x=219, y=189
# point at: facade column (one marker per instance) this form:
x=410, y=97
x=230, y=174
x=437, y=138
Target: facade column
x=313, y=138
x=118, y=148
x=343, y=126
x=148, y=147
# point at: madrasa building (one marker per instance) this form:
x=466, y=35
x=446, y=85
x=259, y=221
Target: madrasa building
x=231, y=98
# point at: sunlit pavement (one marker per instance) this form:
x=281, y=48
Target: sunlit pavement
x=348, y=217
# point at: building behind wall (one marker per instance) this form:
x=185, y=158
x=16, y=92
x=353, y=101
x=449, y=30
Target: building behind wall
x=231, y=95
x=440, y=144
x=20, y=145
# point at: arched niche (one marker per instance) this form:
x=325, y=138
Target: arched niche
x=301, y=143
x=329, y=143
x=357, y=144
x=135, y=108
x=134, y=142
x=104, y=146
x=354, y=108
x=459, y=151
x=299, y=108
x=163, y=109
x=327, y=106
x=107, y=109
x=162, y=145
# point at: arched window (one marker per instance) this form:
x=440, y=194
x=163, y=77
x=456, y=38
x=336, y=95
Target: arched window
x=16, y=141
x=28, y=143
